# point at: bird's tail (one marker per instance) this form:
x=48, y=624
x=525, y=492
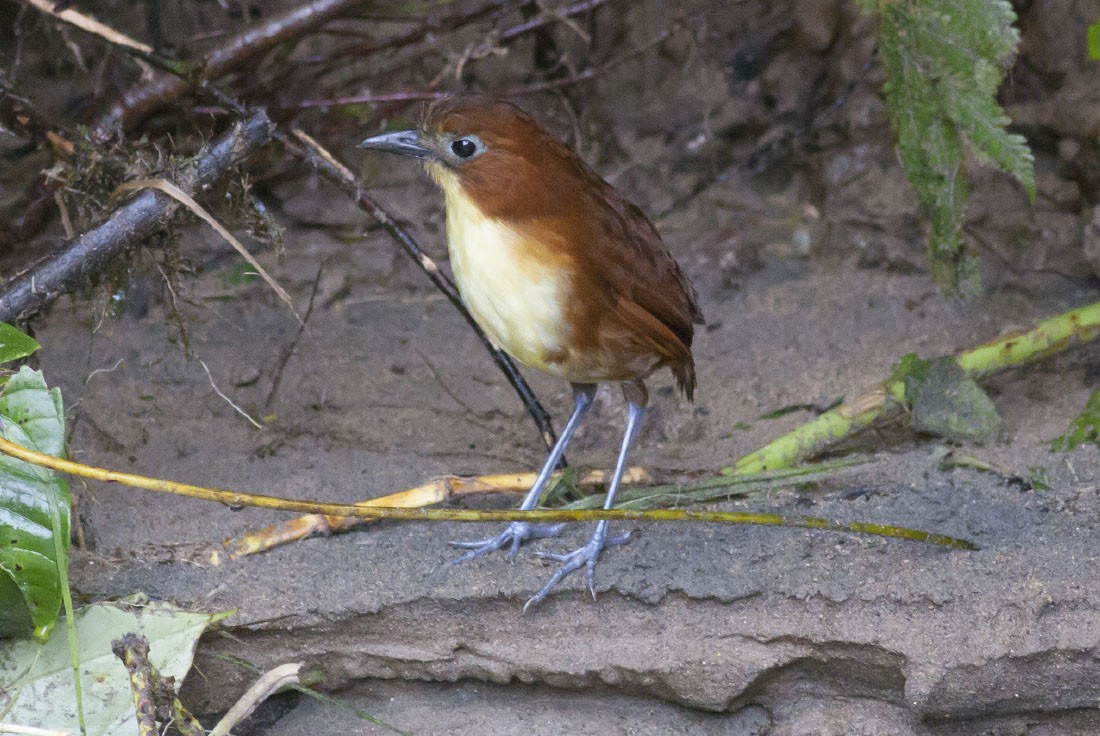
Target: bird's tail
x=684, y=373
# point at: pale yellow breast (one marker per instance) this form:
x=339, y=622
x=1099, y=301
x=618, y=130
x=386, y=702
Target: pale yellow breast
x=513, y=291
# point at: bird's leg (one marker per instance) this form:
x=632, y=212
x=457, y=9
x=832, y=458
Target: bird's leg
x=587, y=555
x=520, y=531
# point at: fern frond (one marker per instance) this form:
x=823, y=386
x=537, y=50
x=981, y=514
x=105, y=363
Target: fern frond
x=944, y=60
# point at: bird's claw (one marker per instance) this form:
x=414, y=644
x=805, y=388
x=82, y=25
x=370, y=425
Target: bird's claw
x=513, y=536
x=572, y=561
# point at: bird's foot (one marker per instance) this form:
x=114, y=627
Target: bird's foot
x=516, y=534
x=582, y=556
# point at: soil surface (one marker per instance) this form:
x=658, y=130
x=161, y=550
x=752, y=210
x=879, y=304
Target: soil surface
x=793, y=219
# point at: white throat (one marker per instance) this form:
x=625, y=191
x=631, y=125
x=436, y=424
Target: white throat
x=508, y=285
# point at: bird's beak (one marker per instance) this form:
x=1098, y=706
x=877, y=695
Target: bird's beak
x=403, y=142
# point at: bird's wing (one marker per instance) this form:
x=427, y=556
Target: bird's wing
x=649, y=294
x=650, y=276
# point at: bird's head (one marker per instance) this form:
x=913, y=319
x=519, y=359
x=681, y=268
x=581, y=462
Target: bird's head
x=489, y=150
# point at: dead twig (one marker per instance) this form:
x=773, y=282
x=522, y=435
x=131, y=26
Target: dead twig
x=149, y=95
x=232, y=404
x=544, y=18
x=440, y=490
x=173, y=191
x=89, y=24
x=289, y=350
x=520, y=91
x=133, y=650
x=132, y=222
x=154, y=694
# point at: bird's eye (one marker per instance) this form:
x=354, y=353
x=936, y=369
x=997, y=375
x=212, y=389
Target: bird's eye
x=464, y=148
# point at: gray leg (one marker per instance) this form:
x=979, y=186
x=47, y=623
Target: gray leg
x=589, y=553
x=520, y=531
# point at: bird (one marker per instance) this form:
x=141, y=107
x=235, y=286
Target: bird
x=560, y=271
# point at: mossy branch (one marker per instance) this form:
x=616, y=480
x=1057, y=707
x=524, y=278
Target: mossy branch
x=1051, y=336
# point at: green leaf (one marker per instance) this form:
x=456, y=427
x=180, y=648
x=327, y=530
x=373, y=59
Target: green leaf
x=31, y=415
x=14, y=344
x=239, y=274
x=1093, y=40
x=910, y=370
x=1037, y=478
x=36, y=685
x=1085, y=427
x=944, y=60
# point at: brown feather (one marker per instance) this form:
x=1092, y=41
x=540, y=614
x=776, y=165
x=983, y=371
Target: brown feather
x=632, y=309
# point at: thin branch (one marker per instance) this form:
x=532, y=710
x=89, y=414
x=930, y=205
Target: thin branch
x=228, y=400
x=546, y=18
x=439, y=490
x=150, y=95
x=523, y=90
x=235, y=500
x=91, y=25
x=142, y=215
x=289, y=350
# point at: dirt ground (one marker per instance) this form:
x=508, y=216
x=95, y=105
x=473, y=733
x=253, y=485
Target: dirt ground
x=795, y=223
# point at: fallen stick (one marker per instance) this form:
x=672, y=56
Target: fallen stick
x=237, y=499
x=163, y=88
x=434, y=492
x=140, y=216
